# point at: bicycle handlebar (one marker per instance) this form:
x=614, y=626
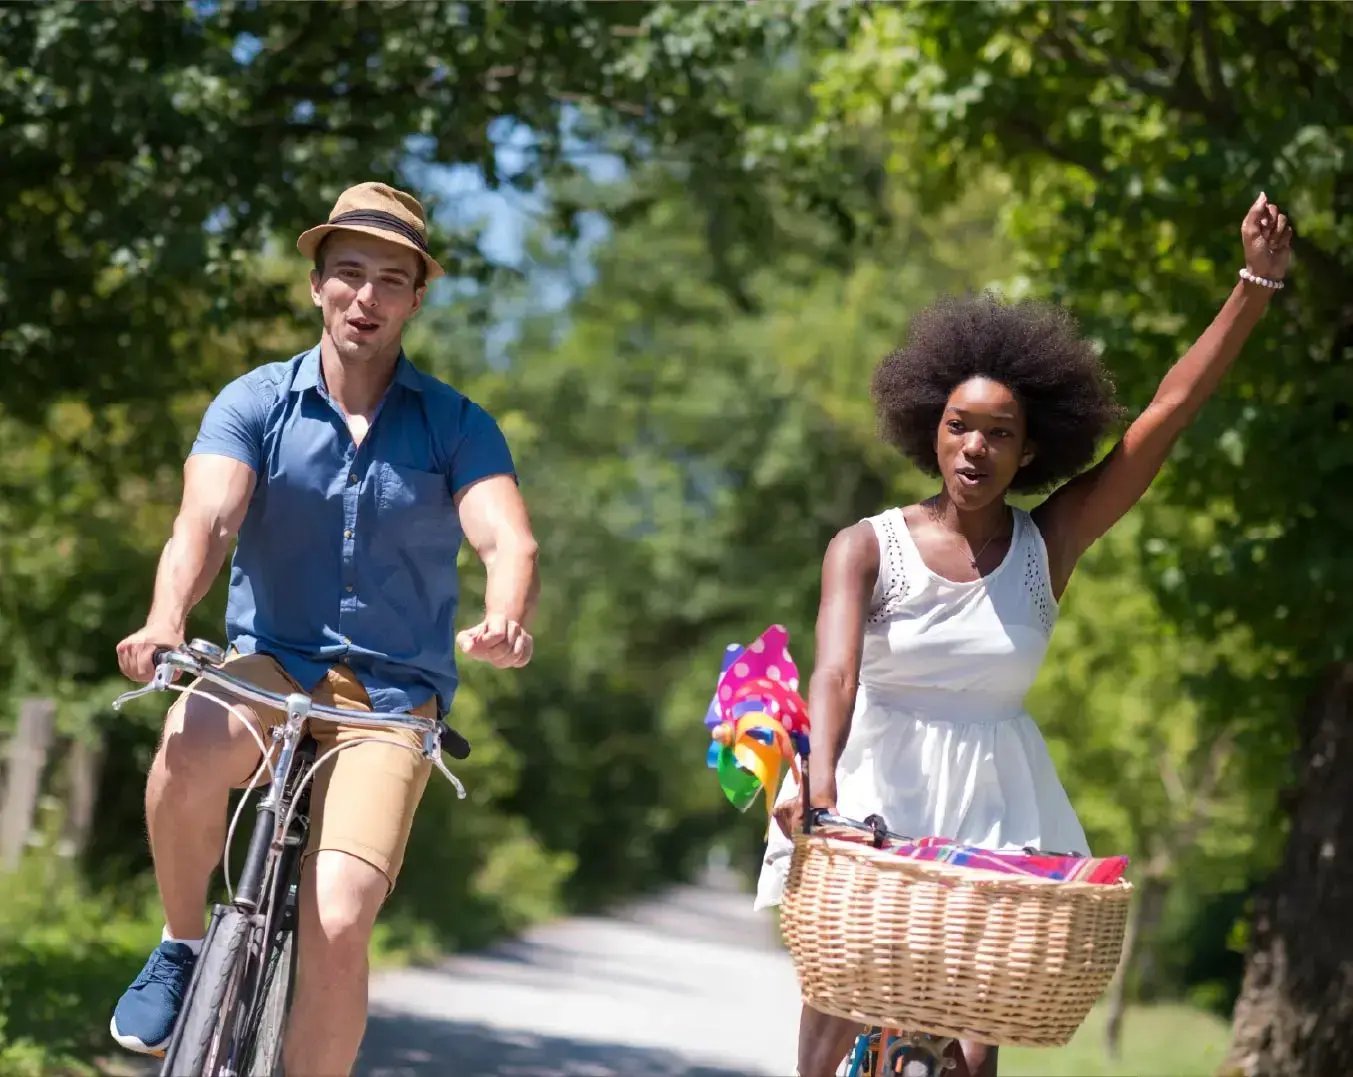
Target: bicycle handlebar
x=874, y=825
x=168, y=659
x=877, y=827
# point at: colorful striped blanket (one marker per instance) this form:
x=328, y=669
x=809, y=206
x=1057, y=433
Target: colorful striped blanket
x=1060, y=866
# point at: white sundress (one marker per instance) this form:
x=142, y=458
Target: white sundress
x=940, y=743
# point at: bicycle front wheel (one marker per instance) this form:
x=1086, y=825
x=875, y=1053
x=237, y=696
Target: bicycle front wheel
x=271, y=1015
x=204, y=1035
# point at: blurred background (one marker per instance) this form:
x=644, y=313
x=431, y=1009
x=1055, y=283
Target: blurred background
x=679, y=238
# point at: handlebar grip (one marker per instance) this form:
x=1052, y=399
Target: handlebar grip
x=453, y=744
x=159, y=654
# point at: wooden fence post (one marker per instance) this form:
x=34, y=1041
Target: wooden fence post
x=83, y=765
x=23, y=777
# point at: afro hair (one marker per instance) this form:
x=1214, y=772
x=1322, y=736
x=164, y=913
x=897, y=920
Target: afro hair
x=1034, y=349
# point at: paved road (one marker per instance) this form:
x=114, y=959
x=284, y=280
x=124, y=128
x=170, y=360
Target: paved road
x=692, y=984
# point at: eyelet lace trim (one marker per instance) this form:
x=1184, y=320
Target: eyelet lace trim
x=1040, y=591
x=890, y=570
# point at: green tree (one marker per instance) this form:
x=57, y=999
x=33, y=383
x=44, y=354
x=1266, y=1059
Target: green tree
x=151, y=149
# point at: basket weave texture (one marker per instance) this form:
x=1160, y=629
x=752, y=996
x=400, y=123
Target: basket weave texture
x=926, y=946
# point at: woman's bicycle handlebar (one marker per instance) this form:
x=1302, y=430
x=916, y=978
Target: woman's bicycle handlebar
x=202, y=659
x=874, y=825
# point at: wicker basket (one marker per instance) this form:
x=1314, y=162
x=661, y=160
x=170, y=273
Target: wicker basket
x=928, y=947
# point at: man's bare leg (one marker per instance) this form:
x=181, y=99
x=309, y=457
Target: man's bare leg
x=203, y=754
x=340, y=898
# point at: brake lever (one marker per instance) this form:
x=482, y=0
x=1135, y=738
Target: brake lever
x=441, y=765
x=432, y=751
x=164, y=677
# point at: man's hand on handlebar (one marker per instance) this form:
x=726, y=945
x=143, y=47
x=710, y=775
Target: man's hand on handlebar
x=136, y=653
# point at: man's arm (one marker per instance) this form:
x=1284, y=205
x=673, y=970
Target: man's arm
x=494, y=518
x=216, y=493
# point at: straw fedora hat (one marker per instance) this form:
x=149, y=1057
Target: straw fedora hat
x=379, y=210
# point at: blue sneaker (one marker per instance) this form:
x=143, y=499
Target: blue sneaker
x=144, y=1018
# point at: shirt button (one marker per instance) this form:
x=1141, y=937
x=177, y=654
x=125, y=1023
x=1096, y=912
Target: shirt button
x=347, y=533
x=352, y=479
x=348, y=588
x=346, y=640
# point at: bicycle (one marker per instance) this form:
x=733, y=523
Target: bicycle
x=235, y=1010
x=880, y=1051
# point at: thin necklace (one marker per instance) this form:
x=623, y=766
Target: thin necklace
x=973, y=558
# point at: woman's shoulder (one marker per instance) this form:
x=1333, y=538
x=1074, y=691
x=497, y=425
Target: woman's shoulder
x=853, y=551
x=856, y=540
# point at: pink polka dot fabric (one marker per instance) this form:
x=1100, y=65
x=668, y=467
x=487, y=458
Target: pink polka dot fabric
x=764, y=677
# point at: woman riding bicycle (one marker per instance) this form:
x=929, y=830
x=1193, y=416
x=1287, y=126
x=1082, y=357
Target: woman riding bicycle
x=934, y=618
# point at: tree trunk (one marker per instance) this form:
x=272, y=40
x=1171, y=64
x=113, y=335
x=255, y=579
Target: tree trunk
x=1116, y=1003
x=1146, y=912
x=1295, y=1010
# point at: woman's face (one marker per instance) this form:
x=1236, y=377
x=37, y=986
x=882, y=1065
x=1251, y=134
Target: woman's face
x=981, y=442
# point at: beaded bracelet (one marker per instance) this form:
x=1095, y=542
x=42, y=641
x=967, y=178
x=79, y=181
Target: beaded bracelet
x=1254, y=278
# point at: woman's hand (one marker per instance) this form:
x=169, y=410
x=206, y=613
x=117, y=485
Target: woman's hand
x=789, y=813
x=1268, y=240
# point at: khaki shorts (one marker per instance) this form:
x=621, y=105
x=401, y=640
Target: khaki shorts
x=363, y=798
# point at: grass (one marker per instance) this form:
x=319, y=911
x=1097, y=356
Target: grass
x=66, y=954
x=1158, y=1041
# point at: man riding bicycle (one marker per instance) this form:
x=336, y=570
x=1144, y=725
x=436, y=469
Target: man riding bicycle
x=350, y=478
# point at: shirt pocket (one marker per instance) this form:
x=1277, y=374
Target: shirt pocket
x=415, y=507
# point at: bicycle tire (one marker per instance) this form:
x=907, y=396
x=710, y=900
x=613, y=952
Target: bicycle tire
x=208, y=1009
x=265, y=1058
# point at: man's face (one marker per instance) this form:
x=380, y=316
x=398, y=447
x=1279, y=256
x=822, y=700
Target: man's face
x=366, y=293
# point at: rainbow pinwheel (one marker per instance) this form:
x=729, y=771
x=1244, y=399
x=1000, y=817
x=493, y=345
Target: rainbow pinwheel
x=757, y=720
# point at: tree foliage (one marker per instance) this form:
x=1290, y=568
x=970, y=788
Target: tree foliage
x=150, y=149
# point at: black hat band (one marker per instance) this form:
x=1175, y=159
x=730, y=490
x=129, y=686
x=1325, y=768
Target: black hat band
x=376, y=218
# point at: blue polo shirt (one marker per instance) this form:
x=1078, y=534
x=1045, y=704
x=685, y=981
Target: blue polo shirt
x=347, y=553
